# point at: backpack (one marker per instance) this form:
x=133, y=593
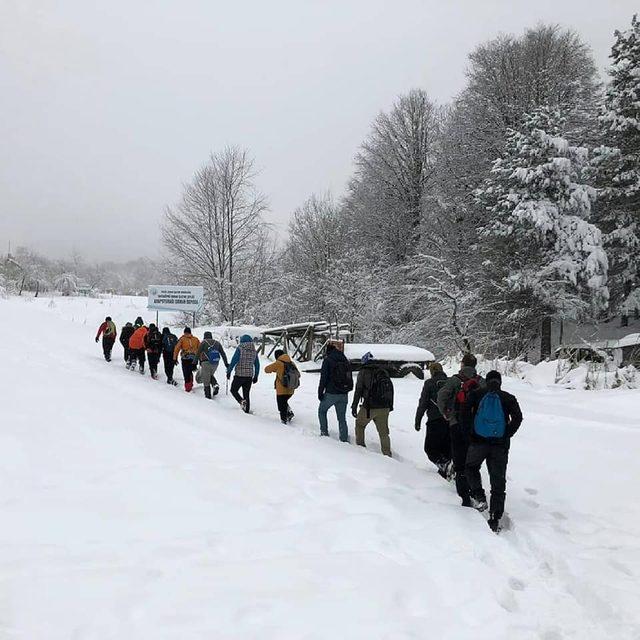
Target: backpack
x=341, y=376
x=490, y=421
x=290, y=376
x=380, y=394
x=169, y=343
x=467, y=387
x=433, y=411
x=213, y=355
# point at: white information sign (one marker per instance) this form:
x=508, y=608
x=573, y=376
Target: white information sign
x=173, y=298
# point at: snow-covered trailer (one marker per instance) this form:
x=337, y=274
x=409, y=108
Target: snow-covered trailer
x=398, y=359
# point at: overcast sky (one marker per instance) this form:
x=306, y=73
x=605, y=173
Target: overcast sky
x=106, y=108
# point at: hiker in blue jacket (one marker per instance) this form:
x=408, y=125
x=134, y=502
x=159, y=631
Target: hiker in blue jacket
x=494, y=416
x=247, y=367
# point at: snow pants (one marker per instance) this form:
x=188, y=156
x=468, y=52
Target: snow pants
x=167, y=359
x=283, y=406
x=437, y=441
x=340, y=402
x=459, y=446
x=208, y=378
x=107, y=346
x=154, y=358
x=380, y=418
x=497, y=457
x=137, y=355
x=241, y=382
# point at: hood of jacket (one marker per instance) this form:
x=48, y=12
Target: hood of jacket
x=245, y=338
x=439, y=375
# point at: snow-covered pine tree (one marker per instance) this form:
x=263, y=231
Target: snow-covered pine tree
x=617, y=169
x=543, y=258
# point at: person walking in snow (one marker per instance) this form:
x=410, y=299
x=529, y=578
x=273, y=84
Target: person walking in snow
x=335, y=383
x=452, y=398
x=210, y=352
x=437, y=441
x=187, y=348
x=137, y=347
x=375, y=389
x=108, y=332
x=125, y=336
x=494, y=416
x=246, y=364
x=286, y=382
x=153, y=345
x=169, y=342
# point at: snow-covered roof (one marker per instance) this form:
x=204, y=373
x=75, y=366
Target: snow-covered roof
x=390, y=352
x=629, y=340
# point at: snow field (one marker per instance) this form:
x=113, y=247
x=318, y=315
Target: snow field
x=134, y=510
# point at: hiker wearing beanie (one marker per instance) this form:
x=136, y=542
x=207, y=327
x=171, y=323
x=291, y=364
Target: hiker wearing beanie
x=286, y=382
x=108, y=332
x=210, y=352
x=153, y=345
x=246, y=364
x=125, y=336
x=137, y=346
x=187, y=347
x=437, y=441
x=452, y=398
x=494, y=416
x=375, y=389
x=169, y=342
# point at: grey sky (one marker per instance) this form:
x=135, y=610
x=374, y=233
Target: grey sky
x=106, y=108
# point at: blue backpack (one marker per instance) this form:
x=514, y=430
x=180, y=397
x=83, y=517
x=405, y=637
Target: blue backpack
x=213, y=355
x=490, y=421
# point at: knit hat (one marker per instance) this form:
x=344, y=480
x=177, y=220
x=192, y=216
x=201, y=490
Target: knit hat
x=207, y=334
x=367, y=357
x=187, y=330
x=494, y=375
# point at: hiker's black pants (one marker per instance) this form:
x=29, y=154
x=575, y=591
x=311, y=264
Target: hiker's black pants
x=283, y=406
x=188, y=367
x=459, y=438
x=240, y=382
x=497, y=457
x=137, y=355
x=154, y=358
x=107, y=346
x=437, y=441
x=167, y=359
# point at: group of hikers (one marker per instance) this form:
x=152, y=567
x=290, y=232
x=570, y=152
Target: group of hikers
x=470, y=419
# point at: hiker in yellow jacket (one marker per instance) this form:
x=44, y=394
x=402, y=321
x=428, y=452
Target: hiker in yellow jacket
x=287, y=381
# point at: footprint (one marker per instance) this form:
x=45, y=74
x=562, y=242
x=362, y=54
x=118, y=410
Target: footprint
x=621, y=568
x=558, y=516
x=531, y=492
x=516, y=584
x=532, y=503
x=508, y=601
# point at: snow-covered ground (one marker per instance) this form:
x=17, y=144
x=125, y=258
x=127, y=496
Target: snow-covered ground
x=132, y=510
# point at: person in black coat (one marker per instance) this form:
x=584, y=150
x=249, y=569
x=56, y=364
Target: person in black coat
x=490, y=440
x=437, y=441
x=125, y=334
x=333, y=390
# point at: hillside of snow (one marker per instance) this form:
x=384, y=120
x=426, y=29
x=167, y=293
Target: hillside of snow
x=132, y=510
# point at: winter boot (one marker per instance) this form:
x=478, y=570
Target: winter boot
x=216, y=389
x=154, y=375
x=290, y=415
x=207, y=393
x=442, y=469
x=141, y=369
x=494, y=523
x=479, y=502
x=466, y=502
x=245, y=406
x=188, y=386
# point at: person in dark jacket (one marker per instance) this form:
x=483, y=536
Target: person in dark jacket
x=336, y=381
x=125, y=335
x=209, y=363
x=375, y=389
x=169, y=342
x=495, y=417
x=437, y=441
x=108, y=331
x=451, y=397
x=246, y=364
x=153, y=345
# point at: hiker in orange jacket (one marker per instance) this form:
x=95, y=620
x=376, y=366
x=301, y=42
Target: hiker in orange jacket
x=188, y=347
x=108, y=332
x=286, y=374
x=137, y=348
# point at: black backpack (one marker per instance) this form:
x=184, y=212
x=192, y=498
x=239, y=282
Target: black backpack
x=341, y=376
x=380, y=394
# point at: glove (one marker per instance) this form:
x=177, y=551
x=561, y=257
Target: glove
x=354, y=412
x=255, y=380
x=97, y=339
x=417, y=426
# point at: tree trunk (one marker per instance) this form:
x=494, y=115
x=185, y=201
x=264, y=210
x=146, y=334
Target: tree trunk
x=545, y=339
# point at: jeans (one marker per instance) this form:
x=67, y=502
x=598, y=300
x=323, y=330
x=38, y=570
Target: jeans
x=497, y=457
x=340, y=402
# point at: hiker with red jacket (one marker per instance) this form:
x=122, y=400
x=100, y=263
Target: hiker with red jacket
x=451, y=400
x=108, y=332
x=494, y=416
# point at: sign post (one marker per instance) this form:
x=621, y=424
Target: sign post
x=175, y=298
